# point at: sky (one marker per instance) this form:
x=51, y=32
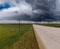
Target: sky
x=12, y=10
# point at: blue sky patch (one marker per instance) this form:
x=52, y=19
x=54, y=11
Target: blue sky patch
x=4, y=6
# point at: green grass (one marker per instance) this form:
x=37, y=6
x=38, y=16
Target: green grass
x=7, y=33
x=28, y=40
x=51, y=25
x=13, y=38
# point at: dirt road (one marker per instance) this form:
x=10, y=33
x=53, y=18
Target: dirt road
x=47, y=37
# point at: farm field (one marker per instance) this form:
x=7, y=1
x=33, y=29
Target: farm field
x=13, y=38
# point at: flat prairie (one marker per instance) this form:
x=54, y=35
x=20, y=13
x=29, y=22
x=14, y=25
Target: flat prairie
x=15, y=36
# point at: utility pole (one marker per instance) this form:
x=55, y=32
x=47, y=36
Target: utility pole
x=18, y=20
x=19, y=25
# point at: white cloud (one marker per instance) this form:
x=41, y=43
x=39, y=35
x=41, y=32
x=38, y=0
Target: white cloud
x=2, y=1
x=57, y=9
x=21, y=8
x=8, y=21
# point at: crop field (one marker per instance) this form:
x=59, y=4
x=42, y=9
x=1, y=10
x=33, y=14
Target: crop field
x=11, y=37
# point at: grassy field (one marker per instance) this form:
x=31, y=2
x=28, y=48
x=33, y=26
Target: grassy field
x=51, y=25
x=13, y=38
